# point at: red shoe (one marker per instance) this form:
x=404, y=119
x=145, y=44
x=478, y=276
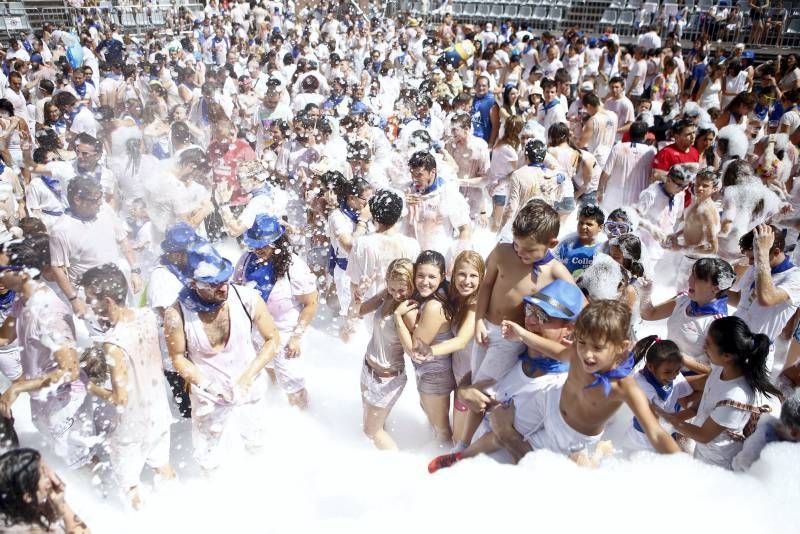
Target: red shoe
x=445, y=460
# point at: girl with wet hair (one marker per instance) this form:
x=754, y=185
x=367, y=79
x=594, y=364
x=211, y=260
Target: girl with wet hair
x=690, y=314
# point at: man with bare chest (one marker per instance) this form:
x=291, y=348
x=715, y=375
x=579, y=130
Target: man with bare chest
x=208, y=333
x=514, y=271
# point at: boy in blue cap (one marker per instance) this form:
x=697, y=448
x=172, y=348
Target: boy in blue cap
x=549, y=320
x=209, y=337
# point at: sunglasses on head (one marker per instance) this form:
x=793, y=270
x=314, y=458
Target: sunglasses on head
x=617, y=228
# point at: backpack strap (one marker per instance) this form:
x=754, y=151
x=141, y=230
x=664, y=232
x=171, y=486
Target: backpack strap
x=243, y=306
x=755, y=415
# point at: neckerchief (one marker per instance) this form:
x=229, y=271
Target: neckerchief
x=52, y=184
x=333, y=102
x=80, y=89
x=6, y=300
x=604, y=379
x=761, y=111
x=426, y=122
x=74, y=113
x=192, y=301
x=263, y=191
x=347, y=210
x=437, y=183
x=537, y=265
x=550, y=105
x=81, y=218
x=136, y=226
x=98, y=172
x=171, y=267
x=662, y=390
x=547, y=365
x=715, y=307
x=785, y=265
x=670, y=197
x=2, y=167
x=261, y=273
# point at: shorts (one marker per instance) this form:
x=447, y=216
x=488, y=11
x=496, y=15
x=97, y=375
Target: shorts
x=588, y=199
x=496, y=357
x=381, y=392
x=462, y=363
x=129, y=458
x=61, y=419
x=435, y=377
x=290, y=372
x=565, y=205
x=499, y=200
x=538, y=418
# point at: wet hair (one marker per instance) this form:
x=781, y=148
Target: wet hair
x=281, y=256
x=196, y=159
x=737, y=172
x=557, y=133
x=462, y=119
x=535, y=151
x=94, y=364
x=431, y=257
x=790, y=411
x=386, y=207
x=82, y=185
x=401, y=269
x=19, y=480
x=537, y=219
x=604, y=321
x=590, y=211
x=619, y=215
x=748, y=350
x=181, y=134
x=656, y=351
x=708, y=175
x=343, y=188
x=631, y=247
x=717, y=271
x=106, y=281
x=462, y=305
x=47, y=139
x=590, y=99
x=746, y=241
x=638, y=131
x=682, y=124
x=84, y=138
x=422, y=159
x=30, y=253
x=64, y=99
x=31, y=226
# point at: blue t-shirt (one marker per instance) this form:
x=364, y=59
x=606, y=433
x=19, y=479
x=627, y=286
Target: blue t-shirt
x=698, y=75
x=576, y=256
x=481, y=123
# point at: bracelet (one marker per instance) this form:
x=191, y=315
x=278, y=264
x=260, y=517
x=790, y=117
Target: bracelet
x=73, y=297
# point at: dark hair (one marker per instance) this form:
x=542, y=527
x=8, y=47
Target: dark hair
x=431, y=257
x=63, y=99
x=19, y=479
x=638, y=131
x=715, y=270
x=631, y=246
x=82, y=185
x=386, y=207
x=682, y=124
x=84, y=138
x=537, y=219
x=590, y=99
x=656, y=351
x=106, y=281
x=422, y=159
x=462, y=119
x=746, y=241
x=181, y=134
x=616, y=79
x=31, y=226
x=749, y=351
x=346, y=188
x=196, y=159
x=590, y=211
x=547, y=83
x=619, y=214
x=604, y=321
x=281, y=256
x=557, y=133
x=31, y=253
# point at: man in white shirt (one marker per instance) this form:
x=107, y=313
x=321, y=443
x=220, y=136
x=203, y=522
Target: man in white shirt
x=649, y=40
x=552, y=110
x=768, y=294
x=620, y=104
x=13, y=94
x=634, y=85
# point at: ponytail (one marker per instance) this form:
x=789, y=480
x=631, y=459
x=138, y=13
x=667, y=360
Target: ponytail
x=749, y=351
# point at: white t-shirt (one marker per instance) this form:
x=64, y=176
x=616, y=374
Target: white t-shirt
x=721, y=450
x=339, y=225
x=40, y=197
x=638, y=70
x=371, y=255
x=689, y=332
x=680, y=388
x=84, y=122
x=768, y=320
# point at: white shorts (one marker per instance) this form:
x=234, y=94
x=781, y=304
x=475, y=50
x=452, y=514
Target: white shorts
x=61, y=420
x=538, y=418
x=10, y=365
x=128, y=458
x=342, y=282
x=208, y=428
x=496, y=357
x=290, y=372
x=381, y=392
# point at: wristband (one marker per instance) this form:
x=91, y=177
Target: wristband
x=73, y=297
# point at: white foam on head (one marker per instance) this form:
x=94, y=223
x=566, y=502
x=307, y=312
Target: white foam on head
x=602, y=278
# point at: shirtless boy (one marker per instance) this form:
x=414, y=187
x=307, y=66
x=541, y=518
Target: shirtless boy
x=513, y=271
x=569, y=416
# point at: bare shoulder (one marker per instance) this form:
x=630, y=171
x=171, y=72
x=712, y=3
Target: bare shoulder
x=559, y=271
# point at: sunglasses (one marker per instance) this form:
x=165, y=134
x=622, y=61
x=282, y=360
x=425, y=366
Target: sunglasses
x=535, y=311
x=617, y=228
x=209, y=286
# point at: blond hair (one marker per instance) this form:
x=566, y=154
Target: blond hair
x=474, y=260
x=401, y=269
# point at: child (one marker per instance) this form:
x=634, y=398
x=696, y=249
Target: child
x=771, y=429
x=660, y=380
x=513, y=271
x=738, y=377
x=569, y=416
x=700, y=227
x=142, y=433
x=383, y=375
x=576, y=252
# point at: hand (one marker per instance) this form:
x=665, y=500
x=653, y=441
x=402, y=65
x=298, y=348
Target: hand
x=220, y=394
x=78, y=306
x=475, y=398
x=223, y=192
x=511, y=330
x=6, y=400
x=241, y=389
x=482, y=219
x=136, y=282
x=501, y=418
x=364, y=214
x=421, y=352
x=645, y=286
x=405, y=307
x=600, y=195
x=346, y=331
x=481, y=334
x=763, y=239
x=292, y=349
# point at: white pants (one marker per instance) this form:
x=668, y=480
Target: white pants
x=61, y=420
x=128, y=458
x=290, y=372
x=496, y=357
x=342, y=282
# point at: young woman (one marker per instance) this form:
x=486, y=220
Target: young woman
x=426, y=318
x=704, y=143
x=32, y=496
x=736, y=111
x=711, y=87
x=290, y=290
x=689, y=315
x=383, y=375
x=501, y=111
x=732, y=392
x=505, y=158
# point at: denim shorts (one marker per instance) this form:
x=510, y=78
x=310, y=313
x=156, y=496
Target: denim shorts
x=565, y=205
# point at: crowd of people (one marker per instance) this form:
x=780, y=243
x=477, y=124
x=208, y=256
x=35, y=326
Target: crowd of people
x=178, y=208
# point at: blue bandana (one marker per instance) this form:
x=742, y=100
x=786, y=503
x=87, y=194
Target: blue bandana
x=437, y=183
x=537, y=265
x=80, y=89
x=604, y=379
x=81, y=218
x=262, y=273
x=662, y=390
x=74, y=113
x=264, y=191
x=347, y=210
x=171, y=267
x=192, y=301
x=548, y=366
x=715, y=307
x=53, y=185
x=333, y=102
x=550, y=105
x=6, y=300
x=785, y=265
x=670, y=197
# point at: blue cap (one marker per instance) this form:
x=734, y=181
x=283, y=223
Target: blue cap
x=178, y=238
x=265, y=231
x=358, y=108
x=206, y=265
x=37, y=58
x=592, y=42
x=558, y=299
x=748, y=54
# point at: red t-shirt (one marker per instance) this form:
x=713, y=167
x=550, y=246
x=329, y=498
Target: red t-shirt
x=669, y=156
x=224, y=159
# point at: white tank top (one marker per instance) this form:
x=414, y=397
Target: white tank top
x=384, y=350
